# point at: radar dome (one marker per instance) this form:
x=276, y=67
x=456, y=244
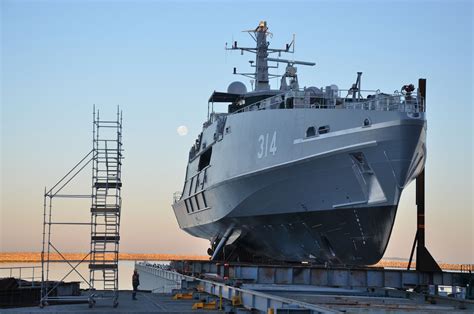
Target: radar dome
x=237, y=88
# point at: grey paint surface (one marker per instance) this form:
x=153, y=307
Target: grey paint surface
x=263, y=165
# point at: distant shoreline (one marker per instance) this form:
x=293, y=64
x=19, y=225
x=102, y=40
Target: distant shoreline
x=25, y=257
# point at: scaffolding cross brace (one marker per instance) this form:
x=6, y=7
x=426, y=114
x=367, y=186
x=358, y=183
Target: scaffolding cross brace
x=106, y=203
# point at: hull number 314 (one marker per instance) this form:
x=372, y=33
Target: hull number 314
x=266, y=145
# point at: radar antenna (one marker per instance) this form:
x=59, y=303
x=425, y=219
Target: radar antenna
x=290, y=72
x=355, y=88
x=261, y=75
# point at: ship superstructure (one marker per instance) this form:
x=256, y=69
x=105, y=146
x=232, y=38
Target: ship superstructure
x=300, y=174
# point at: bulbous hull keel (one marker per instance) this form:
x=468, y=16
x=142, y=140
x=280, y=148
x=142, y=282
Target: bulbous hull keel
x=334, y=236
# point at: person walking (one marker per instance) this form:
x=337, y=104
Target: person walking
x=135, y=284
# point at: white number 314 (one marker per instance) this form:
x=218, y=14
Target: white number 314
x=265, y=146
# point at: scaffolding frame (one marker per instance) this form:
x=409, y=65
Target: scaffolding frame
x=106, y=203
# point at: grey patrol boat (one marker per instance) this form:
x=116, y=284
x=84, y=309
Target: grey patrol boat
x=300, y=174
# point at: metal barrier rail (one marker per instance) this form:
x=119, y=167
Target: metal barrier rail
x=20, y=270
x=249, y=298
x=378, y=102
x=366, y=277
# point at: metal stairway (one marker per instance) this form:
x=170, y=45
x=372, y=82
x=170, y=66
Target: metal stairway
x=106, y=204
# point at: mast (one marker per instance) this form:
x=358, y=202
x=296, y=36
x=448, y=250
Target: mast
x=261, y=75
x=261, y=64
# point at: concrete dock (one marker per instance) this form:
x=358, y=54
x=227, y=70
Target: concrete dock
x=146, y=303
x=324, y=299
x=206, y=287
x=164, y=303
x=265, y=289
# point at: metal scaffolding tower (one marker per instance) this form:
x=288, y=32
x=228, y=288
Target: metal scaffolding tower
x=106, y=202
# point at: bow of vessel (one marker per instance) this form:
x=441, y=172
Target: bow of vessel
x=300, y=173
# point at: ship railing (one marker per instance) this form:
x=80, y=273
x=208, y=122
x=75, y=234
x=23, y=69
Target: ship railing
x=337, y=99
x=396, y=102
x=22, y=274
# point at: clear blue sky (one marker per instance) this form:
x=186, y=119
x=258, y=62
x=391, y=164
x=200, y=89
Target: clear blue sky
x=161, y=60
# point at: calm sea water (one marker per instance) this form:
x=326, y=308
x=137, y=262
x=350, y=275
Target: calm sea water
x=58, y=270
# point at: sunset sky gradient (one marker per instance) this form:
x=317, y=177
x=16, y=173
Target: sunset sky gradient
x=161, y=60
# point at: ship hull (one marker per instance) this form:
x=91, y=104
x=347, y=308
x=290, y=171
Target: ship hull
x=304, y=212
x=327, y=236
x=336, y=202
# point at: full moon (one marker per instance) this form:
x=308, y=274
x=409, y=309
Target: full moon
x=182, y=130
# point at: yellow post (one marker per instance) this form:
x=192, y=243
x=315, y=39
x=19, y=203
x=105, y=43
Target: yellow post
x=270, y=311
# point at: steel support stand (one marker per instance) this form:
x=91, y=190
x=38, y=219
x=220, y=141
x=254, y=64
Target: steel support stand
x=424, y=261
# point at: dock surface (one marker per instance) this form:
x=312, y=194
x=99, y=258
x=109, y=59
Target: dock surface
x=145, y=303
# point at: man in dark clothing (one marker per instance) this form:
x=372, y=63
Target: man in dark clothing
x=135, y=284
